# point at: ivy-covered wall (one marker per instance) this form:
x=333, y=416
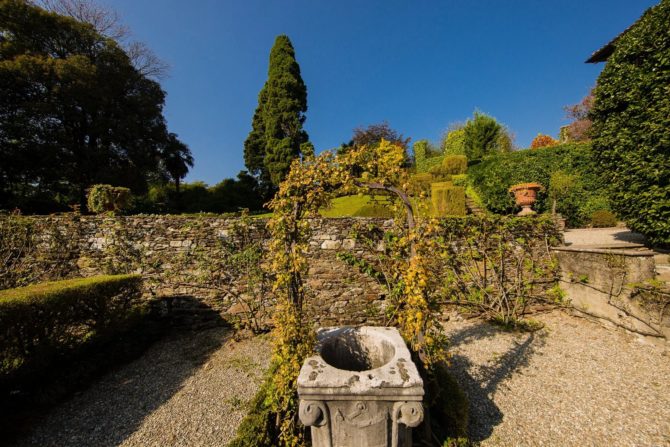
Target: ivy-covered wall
x=187, y=256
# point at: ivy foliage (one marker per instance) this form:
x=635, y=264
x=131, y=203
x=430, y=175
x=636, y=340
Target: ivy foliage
x=493, y=176
x=631, y=124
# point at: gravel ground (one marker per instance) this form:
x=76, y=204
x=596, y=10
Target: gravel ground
x=190, y=389
x=573, y=383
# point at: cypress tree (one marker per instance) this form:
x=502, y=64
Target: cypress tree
x=277, y=136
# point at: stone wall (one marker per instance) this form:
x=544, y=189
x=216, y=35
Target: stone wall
x=172, y=252
x=615, y=287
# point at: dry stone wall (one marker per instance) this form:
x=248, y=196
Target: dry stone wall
x=175, y=256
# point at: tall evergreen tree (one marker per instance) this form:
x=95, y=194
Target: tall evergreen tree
x=277, y=136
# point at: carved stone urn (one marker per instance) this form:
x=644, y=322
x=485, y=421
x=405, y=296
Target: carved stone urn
x=361, y=389
x=525, y=195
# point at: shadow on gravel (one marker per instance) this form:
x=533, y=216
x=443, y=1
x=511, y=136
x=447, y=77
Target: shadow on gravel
x=484, y=413
x=108, y=408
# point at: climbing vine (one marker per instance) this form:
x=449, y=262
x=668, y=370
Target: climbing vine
x=310, y=186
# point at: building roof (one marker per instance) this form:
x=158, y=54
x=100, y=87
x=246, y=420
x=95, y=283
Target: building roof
x=602, y=54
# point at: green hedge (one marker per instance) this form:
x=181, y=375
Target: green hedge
x=447, y=199
x=426, y=164
x=41, y=322
x=492, y=178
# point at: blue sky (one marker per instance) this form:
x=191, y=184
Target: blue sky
x=420, y=65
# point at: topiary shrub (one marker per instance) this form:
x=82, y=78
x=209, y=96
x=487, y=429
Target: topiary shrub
x=453, y=142
x=447, y=199
x=439, y=173
x=420, y=183
x=108, y=199
x=455, y=164
x=631, y=125
x=603, y=219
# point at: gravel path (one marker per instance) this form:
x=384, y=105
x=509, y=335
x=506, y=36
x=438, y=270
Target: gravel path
x=573, y=383
x=190, y=389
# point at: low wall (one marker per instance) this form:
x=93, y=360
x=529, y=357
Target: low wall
x=614, y=286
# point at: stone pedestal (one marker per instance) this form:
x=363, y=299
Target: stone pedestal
x=361, y=390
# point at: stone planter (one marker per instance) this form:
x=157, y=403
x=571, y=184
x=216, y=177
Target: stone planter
x=361, y=390
x=525, y=195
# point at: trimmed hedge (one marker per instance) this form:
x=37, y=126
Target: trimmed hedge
x=493, y=176
x=42, y=322
x=426, y=164
x=455, y=164
x=631, y=124
x=447, y=199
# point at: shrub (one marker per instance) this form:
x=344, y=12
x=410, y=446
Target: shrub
x=460, y=180
x=631, y=125
x=108, y=199
x=542, y=141
x=42, y=321
x=454, y=142
x=420, y=183
x=440, y=174
x=603, y=219
x=493, y=176
x=447, y=199
x=455, y=164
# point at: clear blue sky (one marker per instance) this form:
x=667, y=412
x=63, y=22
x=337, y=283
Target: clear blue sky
x=419, y=65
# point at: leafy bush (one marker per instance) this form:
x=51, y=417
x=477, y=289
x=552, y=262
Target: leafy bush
x=455, y=164
x=492, y=177
x=631, y=125
x=108, y=199
x=603, y=219
x=447, y=199
x=439, y=173
x=43, y=321
x=428, y=164
x=454, y=142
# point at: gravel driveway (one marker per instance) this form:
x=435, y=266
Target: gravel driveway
x=573, y=383
x=190, y=389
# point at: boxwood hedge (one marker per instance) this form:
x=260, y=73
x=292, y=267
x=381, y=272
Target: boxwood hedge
x=38, y=323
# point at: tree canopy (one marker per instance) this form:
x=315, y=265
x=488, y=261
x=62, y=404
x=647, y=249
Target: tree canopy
x=631, y=124
x=74, y=111
x=277, y=136
x=483, y=135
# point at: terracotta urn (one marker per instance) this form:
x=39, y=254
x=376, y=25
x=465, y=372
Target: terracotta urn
x=526, y=195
